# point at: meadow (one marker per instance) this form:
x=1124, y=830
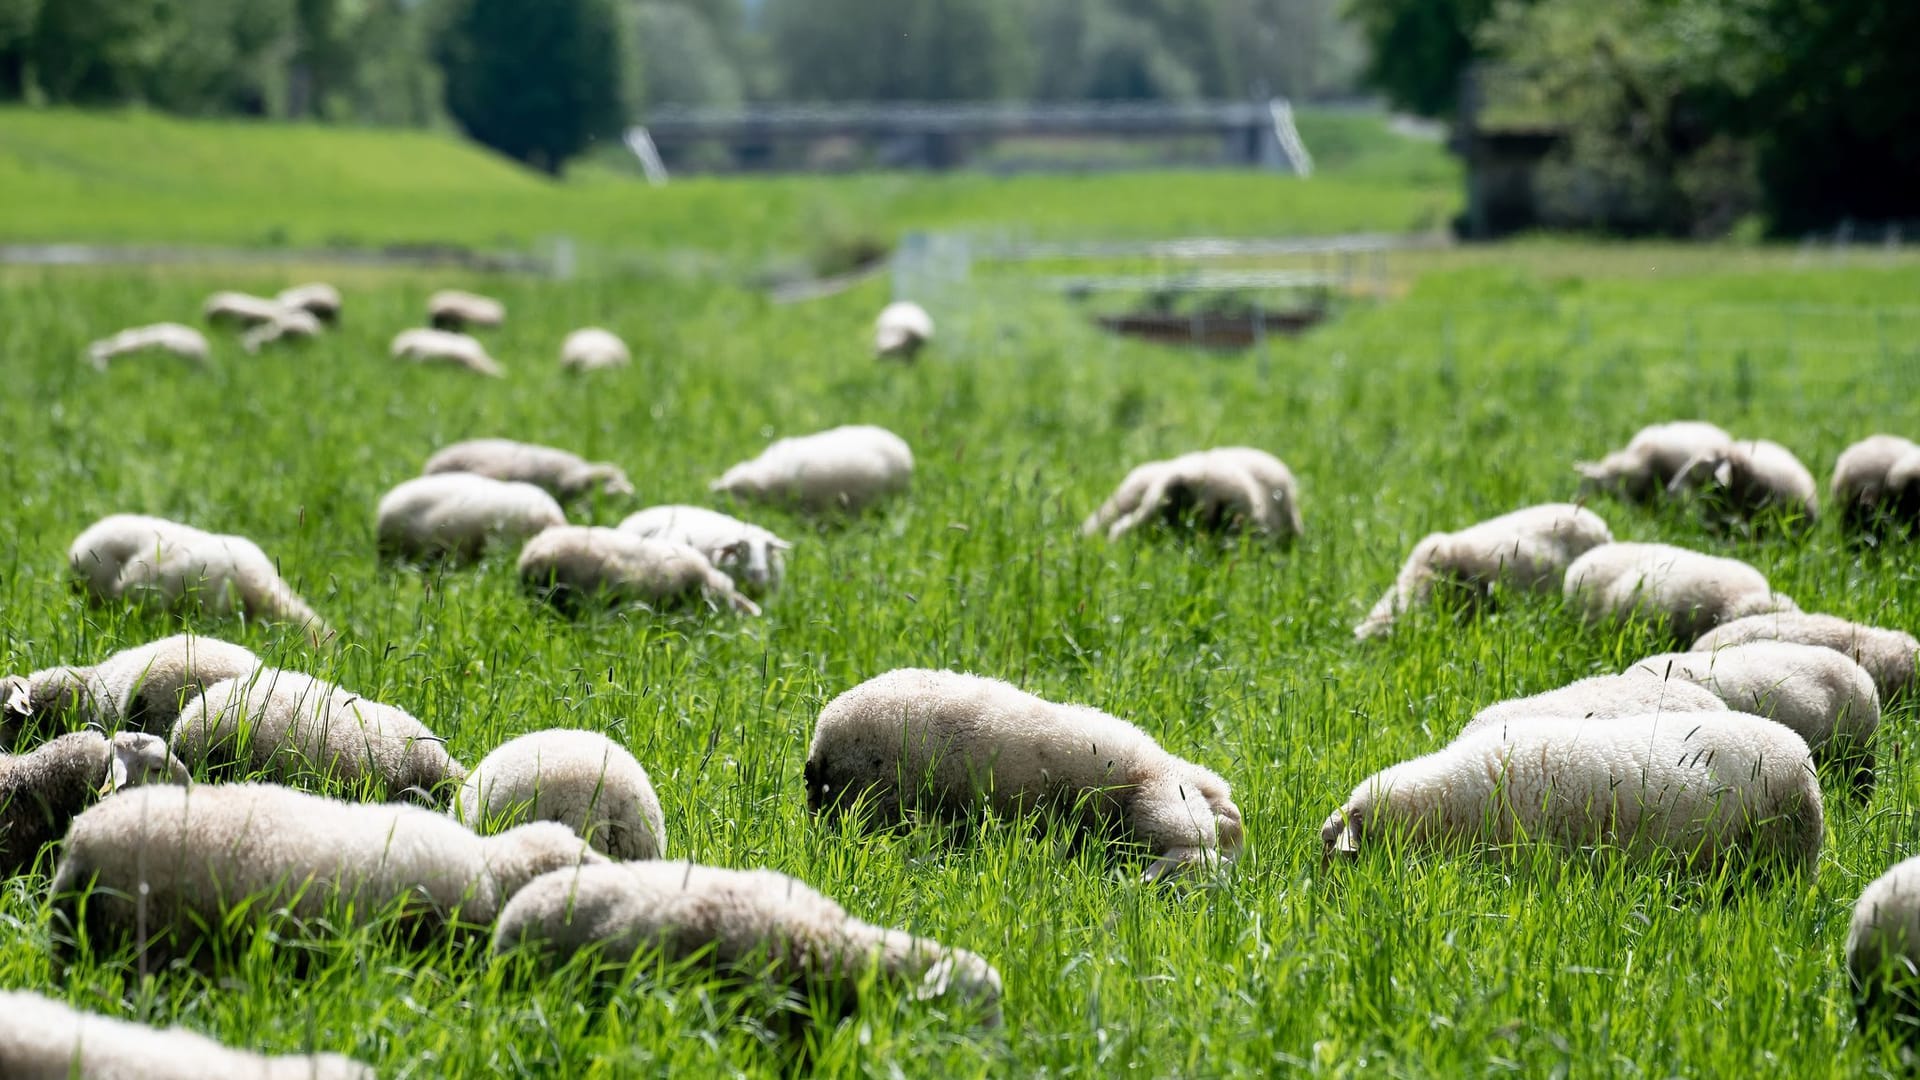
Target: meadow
x=1470, y=393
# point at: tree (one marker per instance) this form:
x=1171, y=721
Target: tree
x=890, y=50
x=17, y=20
x=91, y=52
x=1418, y=49
x=681, y=62
x=537, y=80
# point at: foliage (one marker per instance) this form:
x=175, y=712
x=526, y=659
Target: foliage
x=1417, y=50
x=681, y=59
x=882, y=50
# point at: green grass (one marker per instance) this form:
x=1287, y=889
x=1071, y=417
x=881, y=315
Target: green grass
x=1470, y=397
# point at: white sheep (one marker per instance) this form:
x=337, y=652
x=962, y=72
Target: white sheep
x=1886, y=654
x=141, y=688
x=150, y=560
x=573, y=563
x=445, y=347
x=1652, y=458
x=1874, y=483
x=562, y=474
x=1751, y=477
x=240, y=310
x=581, y=779
x=1528, y=550
x=452, y=309
x=942, y=741
x=182, y=341
x=901, y=331
x=754, y=557
x=591, y=348
x=291, y=324
x=1601, y=697
x=745, y=922
x=169, y=868
x=1705, y=789
x=294, y=728
x=458, y=514
x=41, y=792
x=1883, y=950
x=844, y=468
x=1685, y=591
x=43, y=1039
x=1225, y=488
x=316, y=298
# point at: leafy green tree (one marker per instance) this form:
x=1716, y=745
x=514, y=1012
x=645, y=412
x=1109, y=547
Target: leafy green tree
x=1418, y=49
x=681, y=59
x=91, y=51
x=887, y=50
x=17, y=20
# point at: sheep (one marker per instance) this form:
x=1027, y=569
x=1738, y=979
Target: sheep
x=1709, y=790
x=1651, y=459
x=745, y=922
x=843, y=468
x=43, y=1039
x=1528, y=549
x=456, y=515
x=1873, y=484
x=1752, y=477
x=1601, y=697
x=591, y=348
x=292, y=324
x=293, y=727
x=451, y=309
x=50, y=699
x=581, y=779
x=561, y=474
x=173, y=869
x=1883, y=950
x=316, y=298
x=41, y=792
x=1685, y=591
x=182, y=341
x=754, y=557
x=902, y=329
x=150, y=560
x=1220, y=489
x=141, y=688
x=1886, y=654
x=240, y=310
x=445, y=347
x=575, y=562
x=948, y=742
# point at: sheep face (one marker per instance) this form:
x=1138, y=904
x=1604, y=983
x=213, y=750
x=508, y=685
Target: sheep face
x=1189, y=819
x=755, y=564
x=1342, y=832
x=141, y=759
x=966, y=976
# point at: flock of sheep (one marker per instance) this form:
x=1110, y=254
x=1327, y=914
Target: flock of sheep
x=555, y=842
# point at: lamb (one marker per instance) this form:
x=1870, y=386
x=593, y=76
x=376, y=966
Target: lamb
x=1883, y=950
x=902, y=329
x=754, y=557
x=41, y=792
x=947, y=742
x=290, y=324
x=843, y=468
x=317, y=298
x=746, y=922
x=1685, y=591
x=581, y=779
x=451, y=309
x=1709, y=790
x=1217, y=490
x=175, y=869
x=141, y=688
x=561, y=474
x=43, y=1039
x=1528, y=549
x=1601, y=697
x=1652, y=458
x=456, y=515
x=150, y=560
x=445, y=347
x=1874, y=484
x=1886, y=654
x=572, y=563
x=591, y=348
x=1752, y=477
x=182, y=341
x=294, y=728
x=240, y=310
x=48, y=700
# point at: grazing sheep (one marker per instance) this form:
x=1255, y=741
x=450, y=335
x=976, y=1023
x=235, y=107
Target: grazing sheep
x=1652, y=458
x=1528, y=550
x=445, y=347
x=457, y=515
x=948, y=742
x=754, y=557
x=1886, y=654
x=1707, y=789
x=745, y=922
x=844, y=468
x=1601, y=697
x=1883, y=950
x=1686, y=591
x=1751, y=477
x=150, y=560
x=167, y=868
x=294, y=728
x=561, y=474
x=902, y=329
x=581, y=779
x=318, y=299
x=591, y=348
x=292, y=324
x=1216, y=490
x=1873, y=484
x=576, y=562
x=451, y=309
x=41, y=792
x=182, y=341
x=240, y=310
x=43, y=1039
x=141, y=688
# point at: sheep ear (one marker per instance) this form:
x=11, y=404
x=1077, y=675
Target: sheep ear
x=1587, y=469
x=778, y=544
x=119, y=774
x=937, y=981
x=1723, y=474
x=19, y=697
